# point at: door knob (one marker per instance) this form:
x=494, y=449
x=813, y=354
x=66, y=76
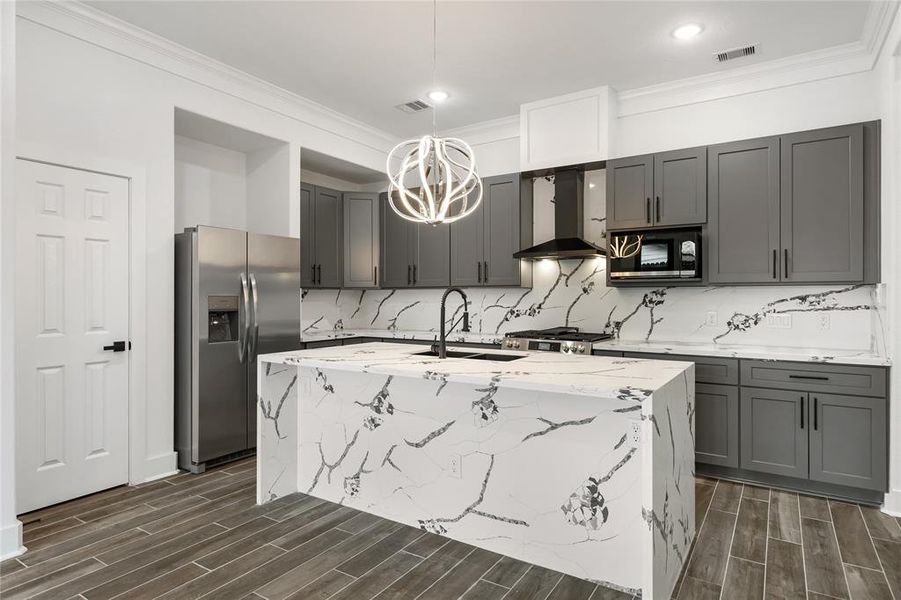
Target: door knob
x=118, y=346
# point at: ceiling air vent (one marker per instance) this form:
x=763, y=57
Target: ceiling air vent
x=736, y=53
x=413, y=106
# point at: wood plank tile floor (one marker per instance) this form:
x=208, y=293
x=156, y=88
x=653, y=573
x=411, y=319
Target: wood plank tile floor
x=202, y=536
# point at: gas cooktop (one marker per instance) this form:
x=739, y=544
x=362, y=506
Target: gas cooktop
x=555, y=339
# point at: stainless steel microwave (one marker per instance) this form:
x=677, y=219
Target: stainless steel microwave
x=655, y=254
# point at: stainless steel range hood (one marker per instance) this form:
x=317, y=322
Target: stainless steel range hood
x=569, y=229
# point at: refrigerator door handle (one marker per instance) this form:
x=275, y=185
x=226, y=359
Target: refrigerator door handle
x=244, y=331
x=252, y=351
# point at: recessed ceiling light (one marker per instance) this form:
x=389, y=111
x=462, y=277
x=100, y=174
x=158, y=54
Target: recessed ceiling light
x=687, y=31
x=438, y=96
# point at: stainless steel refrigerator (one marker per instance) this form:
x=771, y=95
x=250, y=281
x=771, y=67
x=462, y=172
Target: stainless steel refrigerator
x=237, y=295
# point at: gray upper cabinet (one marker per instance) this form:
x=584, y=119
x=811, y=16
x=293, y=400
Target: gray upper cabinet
x=848, y=441
x=743, y=232
x=667, y=189
x=412, y=254
x=823, y=205
x=467, y=238
x=630, y=185
x=483, y=244
x=396, y=236
x=321, y=231
x=361, y=240
x=773, y=431
x=307, y=249
x=680, y=187
x=430, y=255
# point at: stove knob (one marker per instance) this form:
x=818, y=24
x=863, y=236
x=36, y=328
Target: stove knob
x=581, y=348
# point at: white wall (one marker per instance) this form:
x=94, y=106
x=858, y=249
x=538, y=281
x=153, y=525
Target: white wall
x=10, y=527
x=210, y=185
x=123, y=108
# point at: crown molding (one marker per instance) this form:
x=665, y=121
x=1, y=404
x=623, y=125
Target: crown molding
x=844, y=59
x=485, y=132
x=98, y=28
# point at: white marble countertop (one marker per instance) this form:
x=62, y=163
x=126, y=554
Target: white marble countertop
x=628, y=380
x=815, y=355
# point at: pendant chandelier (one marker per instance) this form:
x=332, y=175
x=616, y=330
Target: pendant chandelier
x=447, y=186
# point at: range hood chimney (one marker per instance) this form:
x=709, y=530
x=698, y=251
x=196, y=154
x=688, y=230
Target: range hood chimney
x=569, y=228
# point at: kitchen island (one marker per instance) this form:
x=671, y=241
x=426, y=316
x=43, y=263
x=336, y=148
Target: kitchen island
x=579, y=464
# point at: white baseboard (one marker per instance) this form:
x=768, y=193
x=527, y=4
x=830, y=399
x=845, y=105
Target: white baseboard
x=11, y=540
x=155, y=467
x=892, y=503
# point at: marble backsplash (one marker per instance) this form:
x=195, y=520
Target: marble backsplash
x=574, y=293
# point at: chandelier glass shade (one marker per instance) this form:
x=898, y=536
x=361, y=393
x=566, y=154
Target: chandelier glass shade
x=447, y=185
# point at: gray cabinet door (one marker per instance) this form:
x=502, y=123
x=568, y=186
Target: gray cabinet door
x=431, y=255
x=630, y=185
x=467, y=238
x=680, y=187
x=396, y=264
x=328, y=236
x=307, y=237
x=848, y=441
x=743, y=223
x=822, y=205
x=716, y=424
x=774, y=431
x=502, y=230
x=361, y=240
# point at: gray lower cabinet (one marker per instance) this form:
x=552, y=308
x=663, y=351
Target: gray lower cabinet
x=716, y=424
x=743, y=204
x=322, y=237
x=482, y=244
x=361, y=240
x=848, y=440
x=822, y=180
x=774, y=432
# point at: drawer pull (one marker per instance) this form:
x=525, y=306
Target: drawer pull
x=810, y=377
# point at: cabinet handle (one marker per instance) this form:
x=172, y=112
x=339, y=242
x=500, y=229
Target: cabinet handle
x=786, y=263
x=647, y=210
x=375, y=275
x=319, y=274
x=775, y=259
x=657, y=210
x=813, y=377
x=815, y=411
x=486, y=271
x=409, y=277
x=480, y=271
x=313, y=280
x=414, y=274
x=802, y=412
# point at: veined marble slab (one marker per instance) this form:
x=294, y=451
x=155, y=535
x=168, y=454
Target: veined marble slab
x=815, y=355
x=580, y=464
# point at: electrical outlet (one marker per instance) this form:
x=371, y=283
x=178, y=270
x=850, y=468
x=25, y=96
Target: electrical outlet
x=710, y=321
x=777, y=321
x=823, y=321
x=635, y=432
x=456, y=466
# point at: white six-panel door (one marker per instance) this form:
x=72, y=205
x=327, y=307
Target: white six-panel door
x=71, y=301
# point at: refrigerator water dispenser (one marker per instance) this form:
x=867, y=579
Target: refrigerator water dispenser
x=222, y=318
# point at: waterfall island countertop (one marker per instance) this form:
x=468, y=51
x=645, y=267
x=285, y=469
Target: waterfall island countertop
x=582, y=464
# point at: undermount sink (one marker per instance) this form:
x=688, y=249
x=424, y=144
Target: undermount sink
x=473, y=355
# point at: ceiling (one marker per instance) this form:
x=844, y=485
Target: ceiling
x=363, y=58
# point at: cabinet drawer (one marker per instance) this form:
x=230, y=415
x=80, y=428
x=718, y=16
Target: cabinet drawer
x=708, y=369
x=836, y=379
x=323, y=344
